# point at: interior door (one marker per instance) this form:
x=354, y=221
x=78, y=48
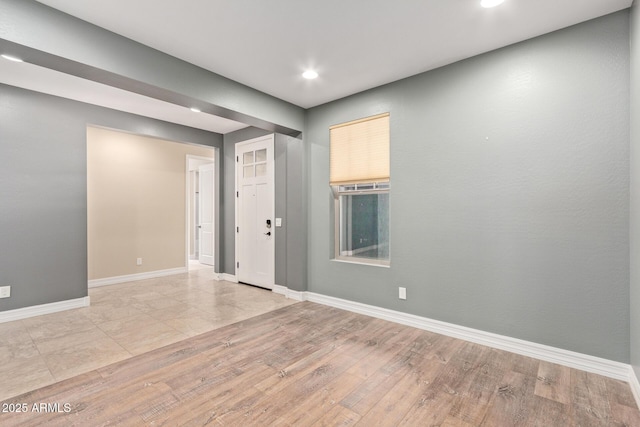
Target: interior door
x=255, y=209
x=205, y=185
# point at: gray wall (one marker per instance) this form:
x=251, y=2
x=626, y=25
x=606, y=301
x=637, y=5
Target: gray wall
x=290, y=205
x=291, y=199
x=509, y=203
x=43, y=190
x=635, y=188
x=34, y=25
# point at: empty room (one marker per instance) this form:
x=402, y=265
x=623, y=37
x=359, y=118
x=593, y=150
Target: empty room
x=249, y=213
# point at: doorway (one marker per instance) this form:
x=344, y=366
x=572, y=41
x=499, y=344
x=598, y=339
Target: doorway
x=200, y=212
x=255, y=212
x=136, y=194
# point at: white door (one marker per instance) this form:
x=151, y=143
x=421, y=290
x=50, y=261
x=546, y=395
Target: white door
x=205, y=185
x=255, y=209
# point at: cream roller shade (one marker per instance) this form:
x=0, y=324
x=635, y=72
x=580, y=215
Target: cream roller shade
x=360, y=151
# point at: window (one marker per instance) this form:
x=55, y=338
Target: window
x=359, y=178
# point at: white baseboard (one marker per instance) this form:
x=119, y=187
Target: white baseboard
x=634, y=384
x=137, y=276
x=39, y=310
x=227, y=277
x=279, y=289
x=563, y=357
x=288, y=293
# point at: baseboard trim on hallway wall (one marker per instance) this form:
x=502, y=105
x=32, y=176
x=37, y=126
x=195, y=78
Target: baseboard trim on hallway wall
x=137, y=276
x=289, y=293
x=634, y=384
x=584, y=362
x=39, y=310
x=227, y=277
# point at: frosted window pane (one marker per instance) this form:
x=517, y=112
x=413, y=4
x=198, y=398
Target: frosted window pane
x=261, y=169
x=247, y=158
x=261, y=155
x=248, y=172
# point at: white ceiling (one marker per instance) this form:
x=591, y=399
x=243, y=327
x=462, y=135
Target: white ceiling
x=354, y=45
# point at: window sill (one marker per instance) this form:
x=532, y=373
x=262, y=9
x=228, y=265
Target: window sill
x=363, y=261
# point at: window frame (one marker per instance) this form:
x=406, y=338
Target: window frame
x=341, y=190
x=359, y=163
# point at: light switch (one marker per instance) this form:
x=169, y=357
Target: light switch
x=278, y=222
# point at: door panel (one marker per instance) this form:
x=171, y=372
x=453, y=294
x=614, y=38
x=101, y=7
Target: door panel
x=263, y=241
x=248, y=235
x=255, y=232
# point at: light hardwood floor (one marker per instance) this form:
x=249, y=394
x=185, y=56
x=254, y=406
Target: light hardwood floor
x=307, y=364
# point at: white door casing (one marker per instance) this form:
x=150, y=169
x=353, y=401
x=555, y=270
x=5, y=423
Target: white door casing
x=206, y=241
x=255, y=212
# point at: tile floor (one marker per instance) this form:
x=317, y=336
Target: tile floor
x=123, y=320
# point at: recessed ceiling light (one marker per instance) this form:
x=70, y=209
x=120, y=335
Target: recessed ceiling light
x=490, y=3
x=195, y=110
x=12, y=58
x=310, y=74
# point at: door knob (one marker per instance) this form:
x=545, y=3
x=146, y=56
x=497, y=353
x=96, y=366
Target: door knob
x=268, y=233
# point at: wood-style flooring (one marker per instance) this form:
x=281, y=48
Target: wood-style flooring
x=308, y=364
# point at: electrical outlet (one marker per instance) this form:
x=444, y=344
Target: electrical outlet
x=139, y=261
x=402, y=293
x=5, y=291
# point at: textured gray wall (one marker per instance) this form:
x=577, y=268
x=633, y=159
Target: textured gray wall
x=509, y=203
x=295, y=218
x=635, y=188
x=37, y=26
x=290, y=202
x=291, y=242
x=43, y=190
x=281, y=209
